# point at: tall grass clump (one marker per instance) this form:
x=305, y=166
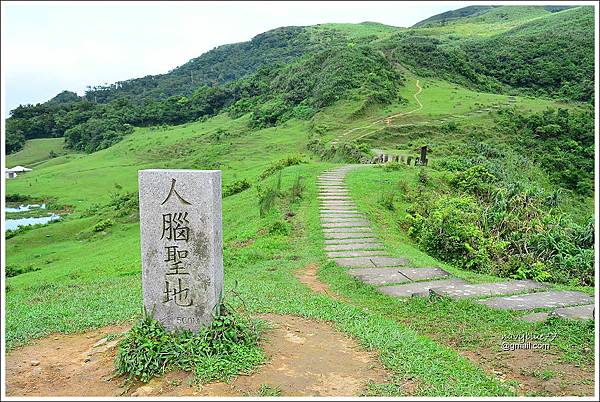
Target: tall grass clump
x=229, y=346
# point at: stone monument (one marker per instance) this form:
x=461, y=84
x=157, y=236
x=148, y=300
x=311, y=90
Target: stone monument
x=182, y=246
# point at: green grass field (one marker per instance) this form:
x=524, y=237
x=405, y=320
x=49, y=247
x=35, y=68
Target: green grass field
x=36, y=152
x=92, y=279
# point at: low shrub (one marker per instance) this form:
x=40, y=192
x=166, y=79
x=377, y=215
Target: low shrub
x=236, y=187
x=13, y=270
x=229, y=346
x=102, y=225
x=289, y=160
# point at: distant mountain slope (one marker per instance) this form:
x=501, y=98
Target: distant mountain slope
x=444, y=18
x=488, y=14
x=296, y=71
x=550, y=55
x=218, y=66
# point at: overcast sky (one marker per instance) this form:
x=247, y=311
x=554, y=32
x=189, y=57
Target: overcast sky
x=50, y=47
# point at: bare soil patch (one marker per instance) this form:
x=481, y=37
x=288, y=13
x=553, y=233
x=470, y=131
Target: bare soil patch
x=538, y=373
x=306, y=358
x=308, y=276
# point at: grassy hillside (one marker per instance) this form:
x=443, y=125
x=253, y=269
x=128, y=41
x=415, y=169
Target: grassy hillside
x=548, y=55
x=508, y=192
x=37, y=151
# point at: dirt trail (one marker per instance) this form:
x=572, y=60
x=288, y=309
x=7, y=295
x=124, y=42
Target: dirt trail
x=344, y=134
x=308, y=276
x=306, y=358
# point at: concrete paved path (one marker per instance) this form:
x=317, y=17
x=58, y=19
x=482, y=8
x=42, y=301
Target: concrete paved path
x=352, y=244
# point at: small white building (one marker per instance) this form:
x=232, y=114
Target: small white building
x=12, y=173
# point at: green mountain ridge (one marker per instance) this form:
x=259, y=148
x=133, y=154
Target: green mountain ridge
x=531, y=51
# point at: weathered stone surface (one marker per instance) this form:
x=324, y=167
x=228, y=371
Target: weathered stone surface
x=333, y=193
x=334, y=197
x=366, y=239
x=535, y=317
x=354, y=253
x=347, y=224
x=347, y=230
x=336, y=202
x=370, y=262
x=345, y=220
x=381, y=276
x=342, y=215
x=585, y=312
x=181, y=242
x=349, y=235
x=416, y=288
x=486, y=289
x=421, y=274
x=354, y=246
x=339, y=209
x=537, y=300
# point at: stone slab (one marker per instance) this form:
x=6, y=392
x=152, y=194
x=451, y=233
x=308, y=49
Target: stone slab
x=354, y=253
x=342, y=215
x=585, y=312
x=368, y=239
x=333, y=193
x=345, y=220
x=382, y=276
x=347, y=224
x=348, y=230
x=417, y=288
x=340, y=209
x=349, y=235
x=379, y=276
x=535, y=317
x=538, y=300
x=181, y=244
x=486, y=289
x=334, y=198
x=353, y=246
x=370, y=262
x=421, y=274
x=337, y=202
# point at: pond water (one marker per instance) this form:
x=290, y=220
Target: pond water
x=12, y=224
x=23, y=208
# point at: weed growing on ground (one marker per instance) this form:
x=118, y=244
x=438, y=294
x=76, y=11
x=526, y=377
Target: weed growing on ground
x=227, y=347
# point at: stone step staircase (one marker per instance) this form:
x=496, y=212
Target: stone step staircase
x=351, y=243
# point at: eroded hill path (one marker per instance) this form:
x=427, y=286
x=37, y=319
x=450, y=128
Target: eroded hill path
x=306, y=358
